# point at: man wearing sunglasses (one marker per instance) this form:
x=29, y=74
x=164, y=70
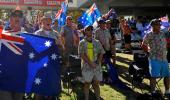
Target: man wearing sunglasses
x=15, y=20
x=67, y=33
x=155, y=43
x=14, y=28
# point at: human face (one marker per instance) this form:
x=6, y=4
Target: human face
x=157, y=27
x=46, y=24
x=103, y=26
x=15, y=21
x=69, y=21
x=89, y=33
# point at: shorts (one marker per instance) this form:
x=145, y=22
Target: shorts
x=127, y=39
x=158, y=68
x=91, y=74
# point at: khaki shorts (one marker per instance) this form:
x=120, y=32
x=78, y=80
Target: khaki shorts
x=90, y=74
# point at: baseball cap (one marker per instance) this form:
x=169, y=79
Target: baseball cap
x=101, y=21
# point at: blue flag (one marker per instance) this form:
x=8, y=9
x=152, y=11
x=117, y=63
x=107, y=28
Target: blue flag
x=90, y=16
x=112, y=72
x=61, y=14
x=29, y=64
x=164, y=25
x=111, y=14
x=164, y=22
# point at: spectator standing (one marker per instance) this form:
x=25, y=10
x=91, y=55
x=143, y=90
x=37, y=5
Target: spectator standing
x=113, y=40
x=139, y=27
x=47, y=31
x=126, y=30
x=14, y=28
x=67, y=34
x=55, y=25
x=157, y=44
x=91, y=53
x=103, y=35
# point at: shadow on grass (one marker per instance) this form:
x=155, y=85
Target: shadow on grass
x=127, y=91
x=123, y=60
x=124, y=74
x=76, y=92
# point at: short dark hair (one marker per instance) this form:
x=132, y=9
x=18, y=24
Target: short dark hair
x=15, y=13
x=155, y=21
x=89, y=27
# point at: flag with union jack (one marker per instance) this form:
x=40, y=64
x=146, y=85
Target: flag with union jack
x=29, y=64
x=164, y=25
x=90, y=16
x=111, y=14
x=164, y=22
x=61, y=14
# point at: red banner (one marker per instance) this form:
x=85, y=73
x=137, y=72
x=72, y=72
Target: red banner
x=31, y=2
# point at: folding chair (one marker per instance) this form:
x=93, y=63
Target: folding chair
x=139, y=70
x=72, y=72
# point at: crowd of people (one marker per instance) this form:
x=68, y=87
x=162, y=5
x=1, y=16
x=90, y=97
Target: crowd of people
x=93, y=45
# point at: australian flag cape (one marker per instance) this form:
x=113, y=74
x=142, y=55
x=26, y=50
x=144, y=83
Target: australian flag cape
x=29, y=64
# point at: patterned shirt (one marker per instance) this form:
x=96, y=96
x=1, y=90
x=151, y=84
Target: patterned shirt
x=157, y=44
x=125, y=28
x=97, y=49
x=104, y=37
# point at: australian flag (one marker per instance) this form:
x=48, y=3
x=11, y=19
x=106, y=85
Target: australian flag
x=111, y=14
x=164, y=22
x=61, y=14
x=29, y=64
x=164, y=25
x=90, y=16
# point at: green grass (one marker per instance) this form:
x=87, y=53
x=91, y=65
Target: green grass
x=109, y=92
